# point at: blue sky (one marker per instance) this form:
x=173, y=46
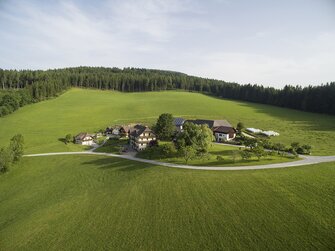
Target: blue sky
x=260, y=41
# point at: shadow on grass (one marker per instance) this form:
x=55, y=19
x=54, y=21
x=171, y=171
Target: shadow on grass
x=304, y=119
x=224, y=153
x=109, y=163
x=63, y=140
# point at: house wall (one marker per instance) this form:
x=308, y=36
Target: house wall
x=87, y=142
x=179, y=128
x=141, y=144
x=224, y=137
x=221, y=137
x=232, y=135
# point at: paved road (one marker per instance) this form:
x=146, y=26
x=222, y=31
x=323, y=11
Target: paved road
x=307, y=160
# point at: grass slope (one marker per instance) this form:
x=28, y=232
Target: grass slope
x=44, y=123
x=100, y=203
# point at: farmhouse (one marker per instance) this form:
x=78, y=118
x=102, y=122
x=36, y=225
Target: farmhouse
x=224, y=133
x=140, y=137
x=222, y=129
x=84, y=139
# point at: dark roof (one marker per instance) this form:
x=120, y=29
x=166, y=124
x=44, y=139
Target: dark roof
x=137, y=130
x=109, y=129
x=178, y=121
x=224, y=129
x=211, y=123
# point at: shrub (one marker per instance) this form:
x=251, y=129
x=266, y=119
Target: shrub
x=258, y=152
x=16, y=147
x=279, y=147
x=153, y=143
x=68, y=138
x=246, y=154
x=267, y=144
x=251, y=142
x=167, y=149
x=307, y=149
x=298, y=149
x=6, y=159
x=240, y=126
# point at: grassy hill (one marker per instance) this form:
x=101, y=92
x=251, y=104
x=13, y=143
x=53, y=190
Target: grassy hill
x=100, y=203
x=78, y=110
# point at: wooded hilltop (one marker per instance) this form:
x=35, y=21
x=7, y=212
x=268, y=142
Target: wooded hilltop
x=21, y=87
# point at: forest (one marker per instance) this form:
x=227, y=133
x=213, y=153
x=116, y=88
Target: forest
x=21, y=87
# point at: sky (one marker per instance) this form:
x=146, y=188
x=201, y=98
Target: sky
x=267, y=42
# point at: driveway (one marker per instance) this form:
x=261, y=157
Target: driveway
x=306, y=160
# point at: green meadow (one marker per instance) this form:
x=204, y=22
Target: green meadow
x=44, y=123
x=102, y=203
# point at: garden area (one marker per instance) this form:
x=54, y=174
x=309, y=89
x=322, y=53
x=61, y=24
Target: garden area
x=113, y=145
x=217, y=155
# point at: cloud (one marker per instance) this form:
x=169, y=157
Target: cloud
x=201, y=38
x=145, y=17
x=65, y=34
x=314, y=67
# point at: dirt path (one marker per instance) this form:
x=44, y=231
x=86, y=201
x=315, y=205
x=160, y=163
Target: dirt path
x=307, y=160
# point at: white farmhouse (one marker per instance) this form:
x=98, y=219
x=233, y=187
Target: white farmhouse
x=141, y=137
x=84, y=139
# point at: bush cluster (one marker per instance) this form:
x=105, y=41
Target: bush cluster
x=12, y=153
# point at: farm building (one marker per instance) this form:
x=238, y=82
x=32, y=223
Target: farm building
x=259, y=131
x=140, y=137
x=125, y=130
x=270, y=133
x=254, y=130
x=222, y=129
x=84, y=139
x=108, y=131
x=224, y=133
x=178, y=122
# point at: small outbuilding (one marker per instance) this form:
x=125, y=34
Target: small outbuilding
x=178, y=123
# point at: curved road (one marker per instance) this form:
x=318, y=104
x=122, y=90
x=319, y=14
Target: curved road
x=307, y=160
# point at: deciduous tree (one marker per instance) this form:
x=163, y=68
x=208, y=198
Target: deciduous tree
x=16, y=146
x=68, y=138
x=6, y=159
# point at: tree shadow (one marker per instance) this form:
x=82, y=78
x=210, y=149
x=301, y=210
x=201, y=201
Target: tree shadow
x=63, y=140
x=109, y=163
x=305, y=120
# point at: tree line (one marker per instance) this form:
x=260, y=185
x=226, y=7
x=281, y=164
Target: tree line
x=20, y=87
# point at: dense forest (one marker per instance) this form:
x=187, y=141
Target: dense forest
x=22, y=87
